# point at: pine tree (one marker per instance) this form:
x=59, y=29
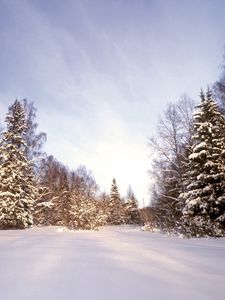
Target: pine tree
x=116, y=207
x=204, y=211
x=131, y=208
x=17, y=187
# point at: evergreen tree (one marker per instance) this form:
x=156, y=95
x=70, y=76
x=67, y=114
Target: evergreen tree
x=204, y=211
x=132, y=213
x=116, y=207
x=17, y=187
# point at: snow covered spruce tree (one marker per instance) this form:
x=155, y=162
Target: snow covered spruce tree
x=116, y=206
x=132, y=214
x=204, y=211
x=17, y=188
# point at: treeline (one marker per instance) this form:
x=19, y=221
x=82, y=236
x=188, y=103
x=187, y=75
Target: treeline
x=37, y=189
x=188, y=169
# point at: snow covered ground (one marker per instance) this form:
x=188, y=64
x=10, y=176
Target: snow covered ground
x=115, y=263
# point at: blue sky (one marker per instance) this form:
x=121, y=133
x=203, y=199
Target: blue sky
x=101, y=72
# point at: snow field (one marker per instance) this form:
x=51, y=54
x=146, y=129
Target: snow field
x=116, y=263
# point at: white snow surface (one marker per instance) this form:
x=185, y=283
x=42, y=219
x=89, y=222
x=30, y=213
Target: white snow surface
x=115, y=263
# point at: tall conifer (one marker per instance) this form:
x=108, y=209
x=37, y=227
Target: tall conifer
x=17, y=188
x=116, y=206
x=204, y=211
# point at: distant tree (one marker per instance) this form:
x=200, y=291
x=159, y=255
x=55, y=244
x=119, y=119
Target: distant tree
x=132, y=213
x=68, y=198
x=116, y=206
x=104, y=200
x=17, y=186
x=43, y=207
x=204, y=196
x=84, y=211
x=148, y=217
x=165, y=192
x=53, y=192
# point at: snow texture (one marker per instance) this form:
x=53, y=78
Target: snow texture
x=205, y=182
x=116, y=263
x=17, y=188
